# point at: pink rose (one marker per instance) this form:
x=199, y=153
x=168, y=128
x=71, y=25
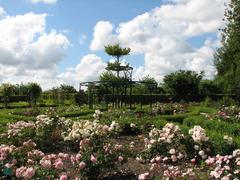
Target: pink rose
x=158, y=159
x=105, y=128
x=78, y=157
x=63, y=177
x=58, y=164
x=29, y=173
x=82, y=165
x=46, y=163
x=120, y=158
x=93, y=159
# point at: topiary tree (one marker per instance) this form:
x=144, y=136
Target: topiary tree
x=117, y=52
x=34, y=92
x=182, y=83
x=7, y=90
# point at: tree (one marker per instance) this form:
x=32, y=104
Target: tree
x=117, y=52
x=7, y=91
x=227, y=58
x=67, y=88
x=104, y=89
x=146, y=86
x=21, y=89
x=182, y=83
x=209, y=87
x=34, y=92
x=109, y=76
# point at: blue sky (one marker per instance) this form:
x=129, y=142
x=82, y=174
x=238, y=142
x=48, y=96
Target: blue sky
x=78, y=18
x=184, y=30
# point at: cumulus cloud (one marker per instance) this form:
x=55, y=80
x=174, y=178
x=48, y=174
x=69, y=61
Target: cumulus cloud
x=102, y=35
x=89, y=69
x=162, y=34
x=2, y=12
x=28, y=52
x=44, y=1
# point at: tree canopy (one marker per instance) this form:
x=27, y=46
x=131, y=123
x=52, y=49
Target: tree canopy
x=227, y=58
x=117, y=51
x=181, y=83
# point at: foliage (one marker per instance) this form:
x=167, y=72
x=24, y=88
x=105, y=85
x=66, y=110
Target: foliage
x=182, y=83
x=148, y=144
x=67, y=88
x=148, y=84
x=109, y=76
x=227, y=58
x=7, y=90
x=209, y=87
x=34, y=91
x=117, y=51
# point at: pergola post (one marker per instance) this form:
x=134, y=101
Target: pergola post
x=90, y=97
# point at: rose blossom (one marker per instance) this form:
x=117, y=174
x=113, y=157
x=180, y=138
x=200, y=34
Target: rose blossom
x=93, y=159
x=120, y=158
x=143, y=176
x=45, y=163
x=29, y=173
x=172, y=151
x=82, y=165
x=63, y=177
x=58, y=164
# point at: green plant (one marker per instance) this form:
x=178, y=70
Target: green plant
x=34, y=92
x=7, y=90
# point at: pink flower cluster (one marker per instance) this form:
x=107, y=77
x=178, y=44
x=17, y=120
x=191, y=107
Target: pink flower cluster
x=16, y=128
x=198, y=134
x=166, y=134
x=5, y=150
x=25, y=172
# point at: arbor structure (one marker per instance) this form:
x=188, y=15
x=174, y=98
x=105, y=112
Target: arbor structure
x=117, y=79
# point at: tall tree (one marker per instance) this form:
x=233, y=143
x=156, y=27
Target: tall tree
x=227, y=58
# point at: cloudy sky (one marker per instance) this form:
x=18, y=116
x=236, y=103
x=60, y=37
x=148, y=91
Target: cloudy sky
x=61, y=41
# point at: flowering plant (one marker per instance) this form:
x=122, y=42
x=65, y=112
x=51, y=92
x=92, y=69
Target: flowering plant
x=168, y=143
x=169, y=108
x=97, y=114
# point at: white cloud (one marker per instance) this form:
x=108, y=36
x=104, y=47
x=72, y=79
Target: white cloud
x=2, y=12
x=82, y=39
x=44, y=1
x=162, y=34
x=102, y=35
x=28, y=52
x=89, y=69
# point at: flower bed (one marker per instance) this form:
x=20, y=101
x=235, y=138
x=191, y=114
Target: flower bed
x=55, y=147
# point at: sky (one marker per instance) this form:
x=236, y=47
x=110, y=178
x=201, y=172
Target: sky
x=55, y=42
